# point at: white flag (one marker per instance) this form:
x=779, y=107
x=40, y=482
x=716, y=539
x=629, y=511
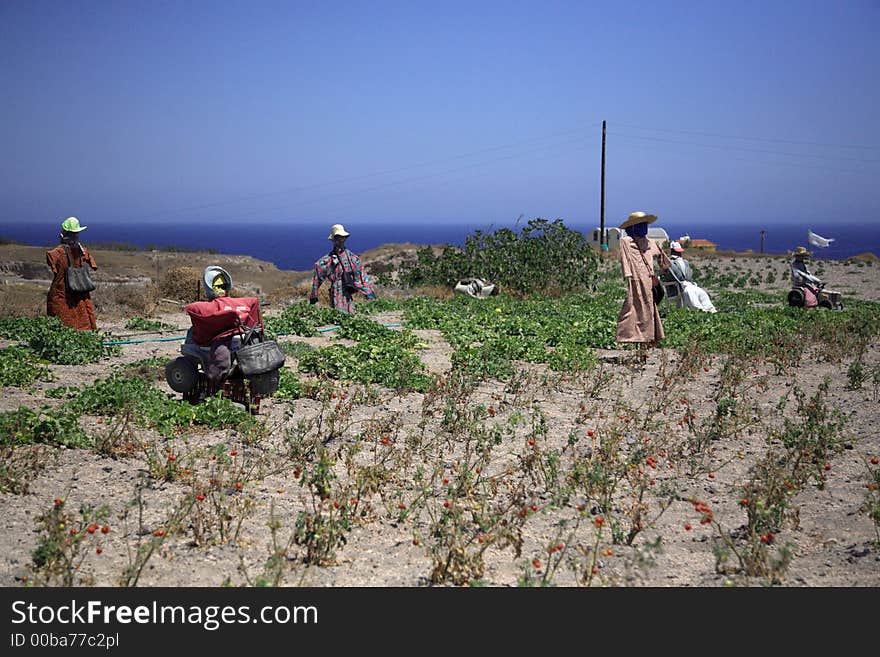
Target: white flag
x=818, y=240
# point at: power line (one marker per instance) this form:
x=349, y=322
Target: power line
x=427, y=176
x=172, y=212
x=582, y=136
x=750, y=150
x=764, y=139
x=798, y=165
x=446, y=182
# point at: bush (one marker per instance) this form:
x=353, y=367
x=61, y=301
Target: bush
x=545, y=257
x=182, y=284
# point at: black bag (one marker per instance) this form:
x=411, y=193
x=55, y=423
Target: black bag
x=658, y=293
x=349, y=280
x=259, y=358
x=77, y=279
x=349, y=286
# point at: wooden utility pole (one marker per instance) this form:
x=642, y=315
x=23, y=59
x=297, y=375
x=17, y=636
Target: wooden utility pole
x=602, y=242
x=762, y=240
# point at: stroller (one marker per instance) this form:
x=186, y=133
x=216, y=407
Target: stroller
x=237, y=324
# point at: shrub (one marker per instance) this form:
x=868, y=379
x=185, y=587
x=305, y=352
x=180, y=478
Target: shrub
x=518, y=263
x=181, y=283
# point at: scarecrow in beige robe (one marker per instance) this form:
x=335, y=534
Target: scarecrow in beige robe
x=639, y=319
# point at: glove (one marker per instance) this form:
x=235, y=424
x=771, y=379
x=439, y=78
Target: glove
x=313, y=300
x=371, y=295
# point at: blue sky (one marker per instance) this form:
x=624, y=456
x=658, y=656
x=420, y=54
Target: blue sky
x=438, y=111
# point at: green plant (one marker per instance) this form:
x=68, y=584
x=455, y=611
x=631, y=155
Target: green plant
x=64, y=541
x=275, y=566
x=302, y=319
x=220, y=504
x=323, y=528
x=856, y=374
x=142, y=324
x=19, y=367
x=289, y=385
x=296, y=349
x=52, y=426
x=21, y=464
x=517, y=262
x=872, y=495
x=152, y=408
x=52, y=341
x=385, y=363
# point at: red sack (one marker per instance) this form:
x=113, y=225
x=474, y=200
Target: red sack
x=221, y=317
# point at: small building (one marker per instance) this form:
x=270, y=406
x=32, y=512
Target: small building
x=705, y=245
x=612, y=237
x=658, y=235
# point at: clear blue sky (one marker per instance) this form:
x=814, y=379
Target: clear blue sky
x=438, y=111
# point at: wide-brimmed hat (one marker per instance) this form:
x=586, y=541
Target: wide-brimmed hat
x=675, y=246
x=801, y=251
x=337, y=229
x=71, y=225
x=638, y=218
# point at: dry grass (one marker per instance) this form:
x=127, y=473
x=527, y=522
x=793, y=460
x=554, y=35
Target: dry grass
x=22, y=300
x=181, y=283
x=125, y=301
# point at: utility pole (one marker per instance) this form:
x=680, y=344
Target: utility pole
x=602, y=242
x=762, y=240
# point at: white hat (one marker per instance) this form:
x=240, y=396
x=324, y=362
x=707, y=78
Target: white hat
x=337, y=229
x=675, y=246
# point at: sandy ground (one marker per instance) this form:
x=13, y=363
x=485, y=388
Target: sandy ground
x=832, y=540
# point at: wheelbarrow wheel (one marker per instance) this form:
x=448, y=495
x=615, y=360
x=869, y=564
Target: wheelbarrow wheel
x=796, y=298
x=181, y=374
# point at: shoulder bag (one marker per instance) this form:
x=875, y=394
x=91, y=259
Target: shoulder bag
x=77, y=279
x=258, y=356
x=349, y=281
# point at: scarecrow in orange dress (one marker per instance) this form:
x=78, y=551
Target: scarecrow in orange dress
x=74, y=309
x=639, y=319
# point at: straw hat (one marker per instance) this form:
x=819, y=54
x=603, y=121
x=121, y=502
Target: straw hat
x=638, y=218
x=71, y=225
x=337, y=229
x=801, y=252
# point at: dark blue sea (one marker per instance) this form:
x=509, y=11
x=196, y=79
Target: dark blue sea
x=297, y=246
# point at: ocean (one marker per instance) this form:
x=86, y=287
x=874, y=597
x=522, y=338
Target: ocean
x=297, y=246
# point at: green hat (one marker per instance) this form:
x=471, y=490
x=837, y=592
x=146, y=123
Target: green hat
x=71, y=225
